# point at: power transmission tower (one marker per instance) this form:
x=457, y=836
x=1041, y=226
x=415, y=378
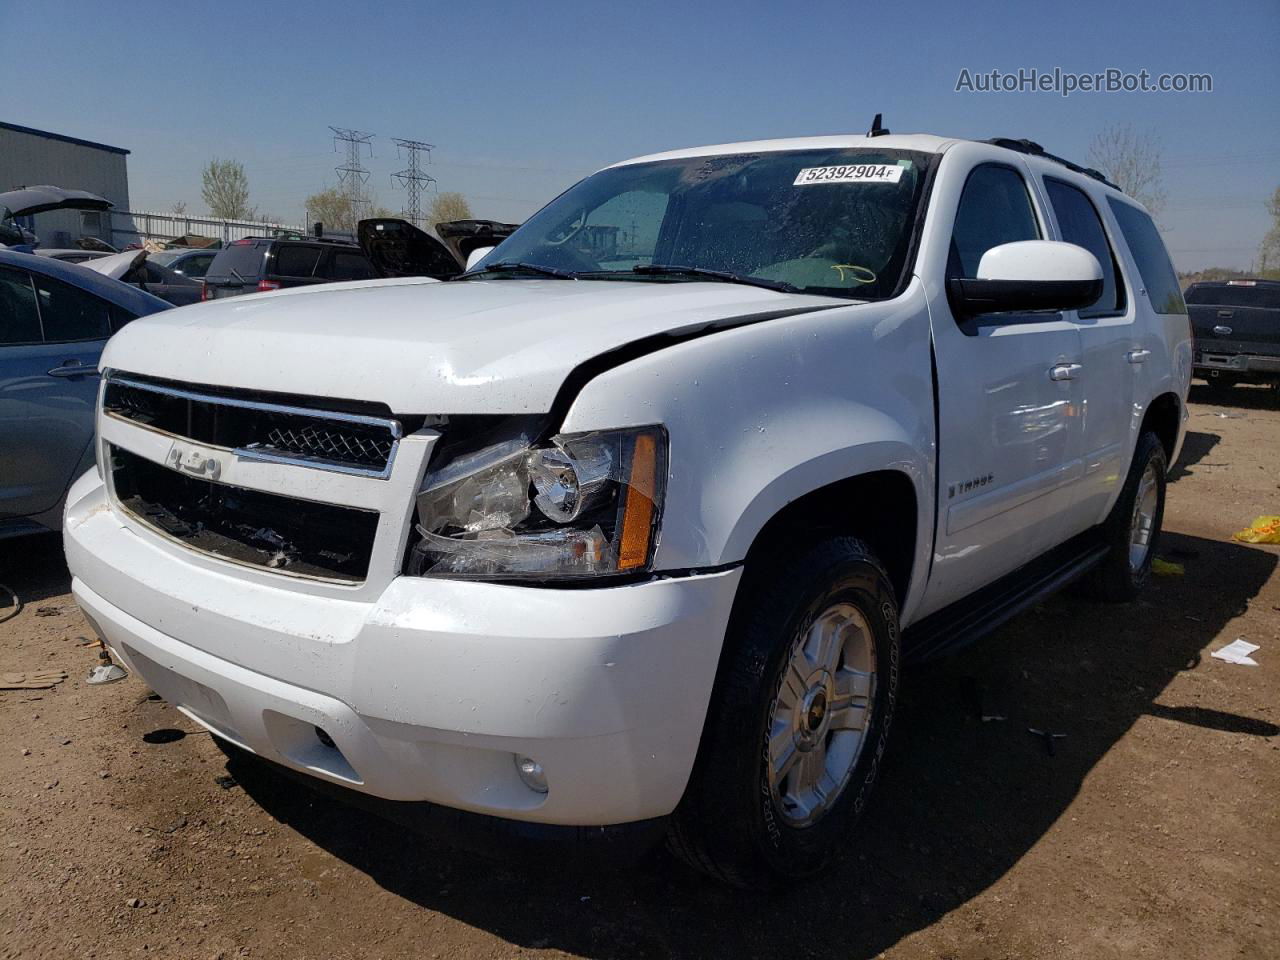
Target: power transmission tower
x=413, y=178
x=351, y=174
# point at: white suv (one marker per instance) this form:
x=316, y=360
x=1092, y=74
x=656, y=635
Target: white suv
x=630, y=527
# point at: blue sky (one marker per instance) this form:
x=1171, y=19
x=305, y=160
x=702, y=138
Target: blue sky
x=523, y=99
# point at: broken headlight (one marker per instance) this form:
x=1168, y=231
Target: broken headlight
x=584, y=505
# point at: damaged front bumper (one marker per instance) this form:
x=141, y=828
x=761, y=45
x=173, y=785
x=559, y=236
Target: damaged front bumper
x=425, y=690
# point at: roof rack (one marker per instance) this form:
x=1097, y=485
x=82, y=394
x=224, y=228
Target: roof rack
x=1034, y=149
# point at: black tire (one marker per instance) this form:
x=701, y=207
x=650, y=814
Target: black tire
x=729, y=823
x=1116, y=579
x=1220, y=384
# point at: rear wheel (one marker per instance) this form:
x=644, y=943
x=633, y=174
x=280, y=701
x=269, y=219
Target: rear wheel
x=799, y=718
x=1132, y=531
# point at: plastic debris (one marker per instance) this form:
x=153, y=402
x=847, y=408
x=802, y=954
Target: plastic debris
x=32, y=680
x=17, y=604
x=1167, y=568
x=1237, y=651
x=226, y=782
x=1048, y=738
x=107, y=673
x=1262, y=530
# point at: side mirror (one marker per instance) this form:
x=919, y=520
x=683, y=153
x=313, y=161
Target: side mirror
x=476, y=255
x=1029, y=276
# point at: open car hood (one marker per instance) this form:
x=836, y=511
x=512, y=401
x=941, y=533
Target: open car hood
x=117, y=265
x=465, y=236
x=397, y=248
x=28, y=200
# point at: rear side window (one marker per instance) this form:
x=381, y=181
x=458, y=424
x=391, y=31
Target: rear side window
x=243, y=259
x=348, y=265
x=1235, y=295
x=1152, y=258
x=120, y=316
x=196, y=266
x=1078, y=220
x=296, y=260
x=995, y=208
x=19, y=321
x=69, y=313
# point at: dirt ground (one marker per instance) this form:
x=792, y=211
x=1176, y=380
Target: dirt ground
x=1153, y=830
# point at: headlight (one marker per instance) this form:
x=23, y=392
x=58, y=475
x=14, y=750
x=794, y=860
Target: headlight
x=586, y=505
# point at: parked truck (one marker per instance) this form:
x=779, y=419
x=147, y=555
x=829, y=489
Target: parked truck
x=602, y=543
x=1237, y=331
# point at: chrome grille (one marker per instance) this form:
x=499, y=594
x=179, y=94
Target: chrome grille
x=258, y=425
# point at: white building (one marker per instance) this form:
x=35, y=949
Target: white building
x=29, y=157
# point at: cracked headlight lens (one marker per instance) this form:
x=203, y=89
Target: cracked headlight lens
x=585, y=505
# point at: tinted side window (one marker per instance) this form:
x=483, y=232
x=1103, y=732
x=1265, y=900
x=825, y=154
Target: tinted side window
x=347, y=265
x=19, y=321
x=995, y=208
x=1149, y=254
x=1078, y=219
x=296, y=260
x=68, y=313
x=197, y=266
x=120, y=316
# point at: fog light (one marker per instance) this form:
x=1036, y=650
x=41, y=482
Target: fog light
x=531, y=773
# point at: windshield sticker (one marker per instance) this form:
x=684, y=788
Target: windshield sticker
x=850, y=173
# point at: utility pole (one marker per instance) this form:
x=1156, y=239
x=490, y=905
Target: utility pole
x=351, y=174
x=413, y=178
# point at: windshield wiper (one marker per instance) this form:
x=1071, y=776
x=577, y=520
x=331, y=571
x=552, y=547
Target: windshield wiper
x=510, y=266
x=723, y=276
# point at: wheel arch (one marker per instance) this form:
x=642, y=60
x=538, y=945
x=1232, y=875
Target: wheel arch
x=1163, y=418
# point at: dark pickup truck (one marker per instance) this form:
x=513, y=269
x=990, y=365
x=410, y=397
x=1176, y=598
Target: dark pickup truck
x=1237, y=331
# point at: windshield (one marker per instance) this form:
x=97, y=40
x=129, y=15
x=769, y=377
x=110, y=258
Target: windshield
x=837, y=222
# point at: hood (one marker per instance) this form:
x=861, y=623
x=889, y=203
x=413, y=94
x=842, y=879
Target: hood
x=474, y=346
x=117, y=265
x=397, y=248
x=463, y=237
x=30, y=200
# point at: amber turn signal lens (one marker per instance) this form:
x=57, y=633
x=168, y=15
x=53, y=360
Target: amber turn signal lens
x=637, y=516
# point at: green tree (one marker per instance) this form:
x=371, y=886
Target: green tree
x=226, y=190
x=1269, y=250
x=448, y=206
x=1132, y=161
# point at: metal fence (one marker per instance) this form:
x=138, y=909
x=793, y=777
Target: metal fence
x=136, y=226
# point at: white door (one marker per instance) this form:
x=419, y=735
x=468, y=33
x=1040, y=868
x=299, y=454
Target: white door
x=1112, y=357
x=1009, y=417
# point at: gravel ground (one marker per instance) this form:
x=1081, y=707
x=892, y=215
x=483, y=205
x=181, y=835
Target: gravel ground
x=1153, y=830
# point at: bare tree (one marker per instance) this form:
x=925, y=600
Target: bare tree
x=178, y=209
x=333, y=208
x=448, y=206
x=226, y=190
x=1132, y=161
x=1269, y=250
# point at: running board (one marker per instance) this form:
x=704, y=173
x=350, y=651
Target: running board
x=977, y=615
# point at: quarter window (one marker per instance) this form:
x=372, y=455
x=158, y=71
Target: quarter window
x=995, y=208
x=1079, y=223
x=19, y=321
x=349, y=266
x=1151, y=257
x=296, y=260
x=68, y=313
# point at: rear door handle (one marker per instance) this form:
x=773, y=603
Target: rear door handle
x=1222, y=331
x=1065, y=371
x=1137, y=356
x=74, y=368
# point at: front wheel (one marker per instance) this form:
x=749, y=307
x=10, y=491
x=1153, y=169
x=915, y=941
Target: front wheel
x=1132, y=531
x=799, y=717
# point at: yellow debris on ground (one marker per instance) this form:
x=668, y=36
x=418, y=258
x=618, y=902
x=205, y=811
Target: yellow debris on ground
x=1167, y=568
x=1262, y=530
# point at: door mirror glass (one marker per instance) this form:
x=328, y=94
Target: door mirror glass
x=1029, y=276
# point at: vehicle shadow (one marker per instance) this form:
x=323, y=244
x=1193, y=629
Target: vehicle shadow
x=34, y=568
x=1195, y=447
x=960, y=800
x=1245, y=396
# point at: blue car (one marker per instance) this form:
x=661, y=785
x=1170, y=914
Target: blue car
x=55, y=318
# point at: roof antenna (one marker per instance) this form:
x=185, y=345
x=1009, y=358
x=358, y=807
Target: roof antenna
x=877, y=130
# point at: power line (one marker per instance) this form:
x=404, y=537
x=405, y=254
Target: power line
x=351, y=174
x=412, y=177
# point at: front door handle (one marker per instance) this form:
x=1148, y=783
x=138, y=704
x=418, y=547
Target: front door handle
x=1222, y=330
x=1137, y=356
x=74, y=368
x=1065, y=371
